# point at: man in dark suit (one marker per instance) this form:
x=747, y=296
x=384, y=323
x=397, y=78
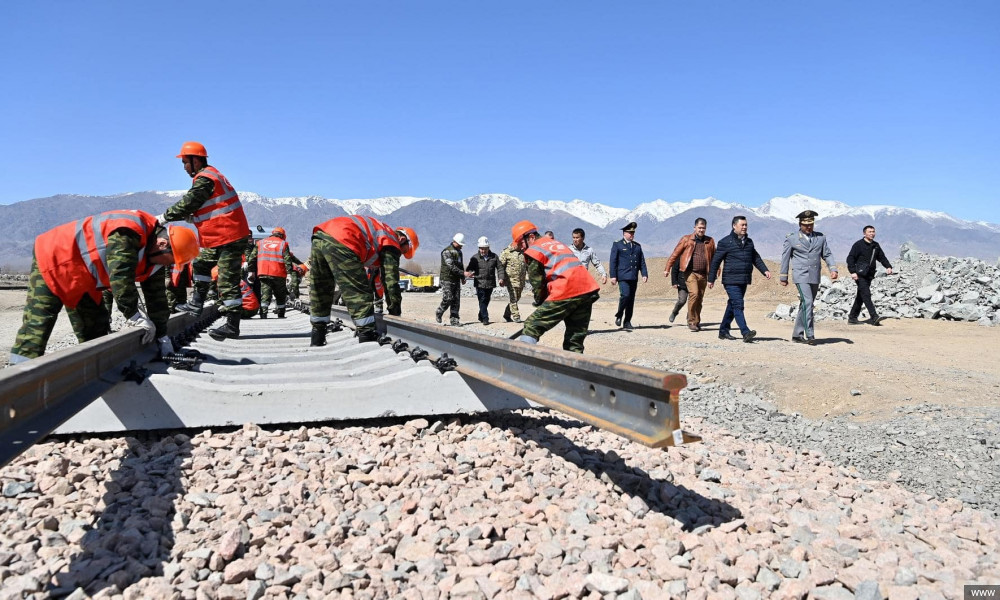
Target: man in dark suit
x=627, y=262
x=861, y=265
x=737, y=251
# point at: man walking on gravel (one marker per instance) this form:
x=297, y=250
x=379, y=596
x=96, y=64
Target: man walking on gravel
x=861, y=265
x=74, y=263
x=692, y=256
x=626, y=264
x=342, y=249
x=803, y=252
x=452, y=277
x=586, y=255
x=563, y=288
x=512, y=264
x=213, y=205
x=484, y=268
x=737, y=252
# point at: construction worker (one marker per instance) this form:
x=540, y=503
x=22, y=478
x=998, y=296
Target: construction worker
x=452, y=278
x=564, y=290
x=271, y=261
x=295, y=277
x=512, y=264
x=214, y=206
x=249, y=304
x=73, y=263
x=342, y=249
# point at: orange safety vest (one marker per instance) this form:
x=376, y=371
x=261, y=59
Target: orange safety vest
x=72, y=258
x=365, y=236
x=565, y=275
x=180, y=275
x=250, y=301
x=271, y=257
x=221, y=219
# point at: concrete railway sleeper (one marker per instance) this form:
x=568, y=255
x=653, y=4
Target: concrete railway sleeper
x=270, y=375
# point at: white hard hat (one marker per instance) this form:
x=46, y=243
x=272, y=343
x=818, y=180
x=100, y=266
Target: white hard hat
x=459, y=238
x=484, y=242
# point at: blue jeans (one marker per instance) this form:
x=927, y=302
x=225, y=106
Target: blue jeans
x=734, y=309
x=484, y=295
x=627, y=300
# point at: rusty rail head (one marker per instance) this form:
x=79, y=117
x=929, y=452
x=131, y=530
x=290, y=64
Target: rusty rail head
x=635, y=402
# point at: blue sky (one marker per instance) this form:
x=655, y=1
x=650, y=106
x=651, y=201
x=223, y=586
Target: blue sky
x=619, y=103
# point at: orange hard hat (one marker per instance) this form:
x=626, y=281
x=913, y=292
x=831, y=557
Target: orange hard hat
x=278, y=231
x=522, y=228
x=412, y=238
x=192, y=149
x=302, y=269
x=215, y=273
x=183, y=242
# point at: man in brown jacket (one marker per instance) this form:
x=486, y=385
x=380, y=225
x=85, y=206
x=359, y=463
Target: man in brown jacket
x=693, y=255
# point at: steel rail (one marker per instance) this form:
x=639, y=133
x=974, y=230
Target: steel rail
x=37, y=396
x=634, y=402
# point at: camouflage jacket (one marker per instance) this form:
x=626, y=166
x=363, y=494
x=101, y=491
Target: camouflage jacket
x=123, y=250
x=201, y=190
x=536, y=277
x=451, y=264
x=512, y=263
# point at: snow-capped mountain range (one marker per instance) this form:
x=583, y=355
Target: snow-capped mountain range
x=436, y=220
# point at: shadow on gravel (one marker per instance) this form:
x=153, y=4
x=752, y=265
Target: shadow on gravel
x=824, y=341
x=302, y=335
x=691, y=509
x=210, y=359
x=133, y=535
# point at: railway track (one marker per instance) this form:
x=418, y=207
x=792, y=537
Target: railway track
x=271, y=376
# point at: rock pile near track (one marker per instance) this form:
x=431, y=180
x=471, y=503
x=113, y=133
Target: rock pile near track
x=921, y=286
x=508, y=506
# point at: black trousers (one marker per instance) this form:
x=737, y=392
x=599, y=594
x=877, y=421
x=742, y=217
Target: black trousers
x=864, y=296
x=484, y=295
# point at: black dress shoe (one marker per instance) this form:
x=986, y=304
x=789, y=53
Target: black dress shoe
x=800, y=340
x=628, y=325
x=877, y=321
x=618, y=321
x=853, y=321
x=811, y=341
x=726, y=336
x=748, y=336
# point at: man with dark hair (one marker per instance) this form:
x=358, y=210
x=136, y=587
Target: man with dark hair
x=688, y=269
x=740, y=257
x=861, y=266
x=585, y=254
x=627, y=262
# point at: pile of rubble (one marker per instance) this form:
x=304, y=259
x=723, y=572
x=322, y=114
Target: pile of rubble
x=921, y=286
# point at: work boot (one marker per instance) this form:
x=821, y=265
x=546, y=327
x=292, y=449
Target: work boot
x=281, y=312
x=437, y=315
x=456, y=323
x=230, y=330
x=193, y=306
x=318, y=335
x=672, y=316
x=263, y=312
x=368, y=335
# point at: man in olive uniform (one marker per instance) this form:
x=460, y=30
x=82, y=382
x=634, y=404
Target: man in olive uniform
x=563, y=288
x=295, y=277
x=75, y=262
x=265, y=261
x=512, y=264
x=214, y=207
x=177, y=293
x=803, y=251
x=343, y=250
x=452, y=278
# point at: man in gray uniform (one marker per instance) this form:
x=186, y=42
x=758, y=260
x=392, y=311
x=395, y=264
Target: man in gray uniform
x=804, y=250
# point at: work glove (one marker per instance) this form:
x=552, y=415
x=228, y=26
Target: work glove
x=244, y=266
x=141, y=320
x=251, y=276
x=161, y=219
x=166, y=346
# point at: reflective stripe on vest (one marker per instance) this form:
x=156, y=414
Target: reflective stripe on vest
x=96, y=259
x=224, y=203
x=565, y=275
x=270, y=257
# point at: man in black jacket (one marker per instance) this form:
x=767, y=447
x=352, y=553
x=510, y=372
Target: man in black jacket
x=484, y=267
x=861, y=265
x=737, y=251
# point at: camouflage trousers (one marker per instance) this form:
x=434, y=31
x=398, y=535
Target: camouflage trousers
x=334, y=264
x=451, y=297
x=229, y=257
x=575, y=312
x=513, y=295
x=175, y=295
x=90, y=319
x=275, y=285
x=293, y=285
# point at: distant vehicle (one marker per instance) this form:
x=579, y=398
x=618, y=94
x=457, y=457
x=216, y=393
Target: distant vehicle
x=419, y=283
x=260, y=231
